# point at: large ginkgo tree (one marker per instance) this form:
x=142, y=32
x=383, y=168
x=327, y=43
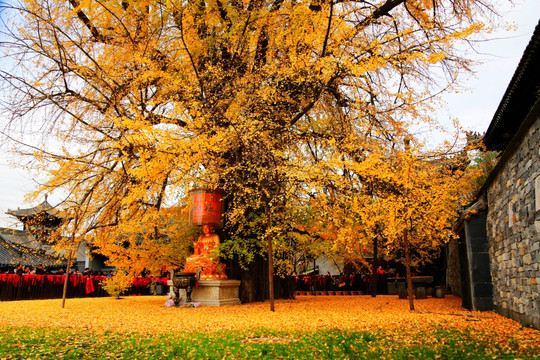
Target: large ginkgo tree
x=147, y=100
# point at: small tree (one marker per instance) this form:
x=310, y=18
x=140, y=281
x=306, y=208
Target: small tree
x=422, y=206
x=400, y=202
x=118, y=284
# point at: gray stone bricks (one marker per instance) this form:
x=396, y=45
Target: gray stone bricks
x=513, y=236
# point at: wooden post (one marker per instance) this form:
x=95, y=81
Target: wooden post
x=64, y=293
x=408, y=270
x=270, y=260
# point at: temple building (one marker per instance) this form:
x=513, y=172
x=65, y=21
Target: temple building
x=33, y=245
x=30, y=246
x=41, y=219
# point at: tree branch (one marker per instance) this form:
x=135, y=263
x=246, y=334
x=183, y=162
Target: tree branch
x=384, y=10
x=86, y=21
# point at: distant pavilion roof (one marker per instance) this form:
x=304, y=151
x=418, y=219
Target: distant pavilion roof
x=44, y=207
x=42, y=216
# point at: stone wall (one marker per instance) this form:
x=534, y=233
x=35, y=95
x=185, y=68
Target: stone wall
x=478, y=263
x=453, y=266
x=513, y=229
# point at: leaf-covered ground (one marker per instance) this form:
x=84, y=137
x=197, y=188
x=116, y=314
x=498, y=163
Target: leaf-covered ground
x=317, y=327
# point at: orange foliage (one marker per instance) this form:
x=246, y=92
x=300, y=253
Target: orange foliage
x=148, y=100
x=147, y=314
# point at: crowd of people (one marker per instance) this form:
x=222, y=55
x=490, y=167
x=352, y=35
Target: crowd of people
x=39, y=282
x=41, y=270
x=347, y=282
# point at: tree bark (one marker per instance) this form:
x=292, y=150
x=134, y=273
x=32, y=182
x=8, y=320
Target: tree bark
x=270, y=260
x=254, y=285
x=64, y=293
x=408, y=270
x=373, y=282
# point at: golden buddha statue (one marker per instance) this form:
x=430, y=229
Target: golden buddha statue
x=203, y=257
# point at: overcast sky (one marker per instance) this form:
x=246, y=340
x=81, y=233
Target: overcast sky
x=474, y=108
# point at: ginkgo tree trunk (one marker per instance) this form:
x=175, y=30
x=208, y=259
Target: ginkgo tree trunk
x=147, y=100
x=407, y=223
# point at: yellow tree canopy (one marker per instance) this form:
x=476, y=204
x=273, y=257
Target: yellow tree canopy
x=391, y=193
x=149, y=99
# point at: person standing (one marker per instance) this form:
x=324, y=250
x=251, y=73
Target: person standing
x=40, y=270
x=19, y=270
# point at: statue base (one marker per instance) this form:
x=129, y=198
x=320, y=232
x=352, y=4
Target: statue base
x=214, y=292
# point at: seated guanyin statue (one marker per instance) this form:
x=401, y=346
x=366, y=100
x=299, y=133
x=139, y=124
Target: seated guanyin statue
x=203, y=257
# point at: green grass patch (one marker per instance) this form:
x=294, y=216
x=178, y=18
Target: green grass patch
x=55, y=343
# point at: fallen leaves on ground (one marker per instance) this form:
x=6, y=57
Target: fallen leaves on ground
x=266, y=340
x=147, y=314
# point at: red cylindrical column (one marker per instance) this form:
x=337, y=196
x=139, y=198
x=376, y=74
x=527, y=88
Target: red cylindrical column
x=206, y=208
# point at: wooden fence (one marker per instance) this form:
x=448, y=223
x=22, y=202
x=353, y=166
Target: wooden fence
x=26, y=287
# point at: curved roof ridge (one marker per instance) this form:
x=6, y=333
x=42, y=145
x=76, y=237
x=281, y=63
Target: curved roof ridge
x=519, y=98
x=43, y=207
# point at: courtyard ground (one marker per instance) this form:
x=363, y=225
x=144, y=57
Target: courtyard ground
x=308, y=327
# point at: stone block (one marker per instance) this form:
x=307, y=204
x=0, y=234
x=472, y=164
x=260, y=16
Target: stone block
x=216, y=292
x=402, y=292
x=420, y=292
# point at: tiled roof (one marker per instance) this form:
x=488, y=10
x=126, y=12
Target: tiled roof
x=18, y=246
x=24, y=238
x=521, y=95
x=44, y=207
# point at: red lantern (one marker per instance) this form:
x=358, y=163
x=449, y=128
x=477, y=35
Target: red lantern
x=206, y=208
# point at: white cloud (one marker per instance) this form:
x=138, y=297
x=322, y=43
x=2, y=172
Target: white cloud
x=500, y=55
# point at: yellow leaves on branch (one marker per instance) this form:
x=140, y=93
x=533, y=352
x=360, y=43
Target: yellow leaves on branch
x=279, y=101
x=387, y=194
x=435, y=58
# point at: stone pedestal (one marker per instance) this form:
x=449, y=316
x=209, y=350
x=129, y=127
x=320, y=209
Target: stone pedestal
x=214, y=292
x=420, y=292
x=402, y=292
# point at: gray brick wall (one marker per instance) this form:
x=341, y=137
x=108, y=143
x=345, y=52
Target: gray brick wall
x=513, y=229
